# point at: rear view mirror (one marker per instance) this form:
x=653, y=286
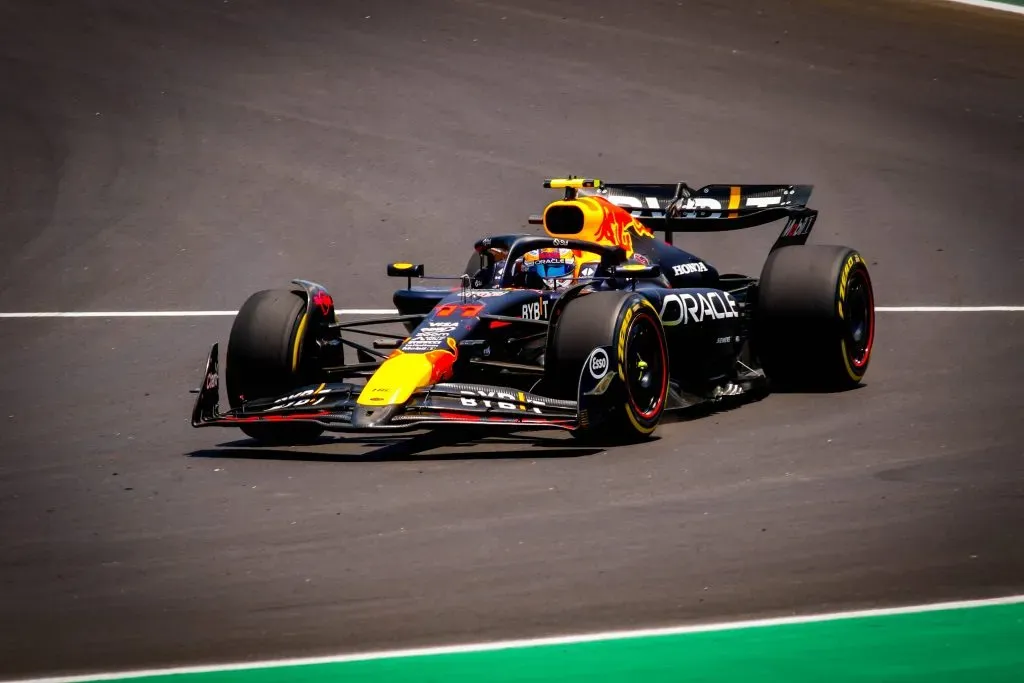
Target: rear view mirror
x=636, y=271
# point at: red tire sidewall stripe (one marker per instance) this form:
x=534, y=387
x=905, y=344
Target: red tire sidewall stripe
x=866, y=356
x=653, y=412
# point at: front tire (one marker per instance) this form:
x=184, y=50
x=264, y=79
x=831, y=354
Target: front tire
x=264, y=359
x=629, y=324
x=815, y=322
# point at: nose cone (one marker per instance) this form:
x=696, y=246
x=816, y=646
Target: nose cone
x=396, y=379
x=367, y=416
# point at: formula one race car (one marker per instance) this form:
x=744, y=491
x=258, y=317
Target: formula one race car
x=595, y=327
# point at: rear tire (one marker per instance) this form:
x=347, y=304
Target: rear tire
x=264, y=359
x=815, y=323
x=629, y=324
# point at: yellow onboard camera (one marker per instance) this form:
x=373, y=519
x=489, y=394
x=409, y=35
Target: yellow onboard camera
x=575, y=183
x=405, y=270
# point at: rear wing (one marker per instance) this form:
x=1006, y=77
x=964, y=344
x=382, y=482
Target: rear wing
x=676, y=207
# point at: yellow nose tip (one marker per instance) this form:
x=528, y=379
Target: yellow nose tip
x=396, y=379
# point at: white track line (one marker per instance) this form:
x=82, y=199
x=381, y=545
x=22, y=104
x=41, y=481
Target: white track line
x=945, y=309
x=115, y=314
x=539, y=642
x=170, y=313
x=988, y=4
x=391, y=311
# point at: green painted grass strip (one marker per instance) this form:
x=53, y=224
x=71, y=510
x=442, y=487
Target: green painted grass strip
x=975, y=645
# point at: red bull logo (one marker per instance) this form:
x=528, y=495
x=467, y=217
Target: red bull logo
x=619, y=226
x=404, y=373
x=442, y=361
x=594, y=219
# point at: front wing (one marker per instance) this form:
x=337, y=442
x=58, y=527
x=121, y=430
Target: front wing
x=334, y=407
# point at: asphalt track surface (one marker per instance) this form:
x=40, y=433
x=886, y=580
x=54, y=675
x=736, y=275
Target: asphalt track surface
x=180, y=155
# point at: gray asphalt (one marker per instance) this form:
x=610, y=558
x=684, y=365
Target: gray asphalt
x=180, y=155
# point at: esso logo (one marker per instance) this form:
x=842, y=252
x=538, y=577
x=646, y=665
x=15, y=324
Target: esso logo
x=598, y=364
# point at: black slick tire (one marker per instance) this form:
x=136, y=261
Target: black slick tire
x=814, y=325
x=628, y=323
x=264, y=359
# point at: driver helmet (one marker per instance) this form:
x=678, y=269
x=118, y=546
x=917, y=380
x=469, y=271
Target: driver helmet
x=556, y=267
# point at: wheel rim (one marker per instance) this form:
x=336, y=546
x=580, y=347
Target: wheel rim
x=645, y=368
x=860, y=323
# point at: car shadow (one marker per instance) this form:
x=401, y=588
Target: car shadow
x=406, y=448
x=414, y=446
x=707, y=409
x=730, y=403
x=819, y=390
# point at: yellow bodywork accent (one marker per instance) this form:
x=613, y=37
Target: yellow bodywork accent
x=401, y=266
x=561, y=183
x=396, y=379
x=734, y=200
x=593, y=215
x=633, y=266
x=299, y=334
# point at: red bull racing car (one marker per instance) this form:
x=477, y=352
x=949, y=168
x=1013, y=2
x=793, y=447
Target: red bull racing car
x=596, y=326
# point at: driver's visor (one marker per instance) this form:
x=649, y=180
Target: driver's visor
x=554, y=270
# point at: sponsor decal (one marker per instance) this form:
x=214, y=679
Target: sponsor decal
x=634, y=202
x=211, y=381
x=551, y=256
x=687, y=268
x=485, y=293
x=588, y=271
x=695, y=207
x=323, y=301
x=618, y=226
x=538, y=310
x=709, y=207
x=686, y=308
x=618, y=232
x=430, y=336
x=504, y=400
x=851, y=261
x=598, y=363
x=302, y=398
x=641, y=259
x=442, y=360
x=798, y=227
